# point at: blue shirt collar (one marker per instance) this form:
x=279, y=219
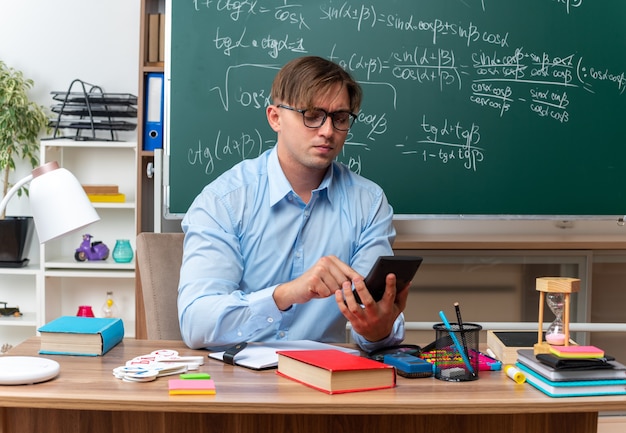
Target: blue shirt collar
x=279, y=186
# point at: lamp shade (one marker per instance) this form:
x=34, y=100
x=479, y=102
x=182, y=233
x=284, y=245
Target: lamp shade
x=58, y=202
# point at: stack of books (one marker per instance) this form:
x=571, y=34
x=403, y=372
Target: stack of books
x=156, y=38
x=570, y=376
x=104, y=194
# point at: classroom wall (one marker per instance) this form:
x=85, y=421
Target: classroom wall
x=54, y=42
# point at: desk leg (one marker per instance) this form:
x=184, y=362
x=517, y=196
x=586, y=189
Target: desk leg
x=20, y=420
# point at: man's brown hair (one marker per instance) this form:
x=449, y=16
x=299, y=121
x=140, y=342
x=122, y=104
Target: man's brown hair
x=303, y=79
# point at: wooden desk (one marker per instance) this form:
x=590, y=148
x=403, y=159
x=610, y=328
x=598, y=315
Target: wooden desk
x=86, y=397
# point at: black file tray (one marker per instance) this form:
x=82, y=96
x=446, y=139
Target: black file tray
x=96, y=98
x=97, y=110
x=91, y=110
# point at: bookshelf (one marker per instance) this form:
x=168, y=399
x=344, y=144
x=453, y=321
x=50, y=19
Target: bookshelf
x=145, y=159
x=145, y=168
x=67, y=283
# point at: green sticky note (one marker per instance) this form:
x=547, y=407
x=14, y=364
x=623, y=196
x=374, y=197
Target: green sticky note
x=195, y=376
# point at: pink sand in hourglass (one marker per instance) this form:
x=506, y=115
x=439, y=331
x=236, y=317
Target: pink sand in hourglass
x=556, y=339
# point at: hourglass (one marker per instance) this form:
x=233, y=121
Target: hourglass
x=555, y=334
x=556, y=292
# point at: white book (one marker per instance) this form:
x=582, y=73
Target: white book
x=527, y=358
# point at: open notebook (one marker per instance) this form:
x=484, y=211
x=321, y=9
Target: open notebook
x=259, y=356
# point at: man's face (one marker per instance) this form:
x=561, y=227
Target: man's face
x=309, y=149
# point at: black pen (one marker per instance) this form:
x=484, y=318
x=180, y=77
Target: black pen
x=460, y=322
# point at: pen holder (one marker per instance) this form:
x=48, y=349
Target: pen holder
x=456, y=352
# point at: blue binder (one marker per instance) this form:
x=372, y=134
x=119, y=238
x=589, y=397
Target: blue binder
x=153, y=116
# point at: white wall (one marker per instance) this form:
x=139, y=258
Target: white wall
x=55, y=42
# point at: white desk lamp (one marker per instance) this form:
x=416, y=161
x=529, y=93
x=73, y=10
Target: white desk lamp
x=59, y=204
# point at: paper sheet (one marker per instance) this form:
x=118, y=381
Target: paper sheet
x=259, y=356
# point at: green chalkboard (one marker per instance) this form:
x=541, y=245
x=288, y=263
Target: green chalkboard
x=472, y=107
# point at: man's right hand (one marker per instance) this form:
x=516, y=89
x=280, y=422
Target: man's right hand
x=321, y=281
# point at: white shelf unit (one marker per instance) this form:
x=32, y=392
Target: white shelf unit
x=54, y=283
x=66, y=283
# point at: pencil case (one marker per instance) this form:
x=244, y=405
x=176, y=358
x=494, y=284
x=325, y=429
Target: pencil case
x=408, y=365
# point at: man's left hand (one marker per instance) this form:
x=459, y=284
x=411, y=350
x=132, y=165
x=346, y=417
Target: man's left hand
x=372, y=320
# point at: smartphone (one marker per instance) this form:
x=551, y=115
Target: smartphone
x=403, y=267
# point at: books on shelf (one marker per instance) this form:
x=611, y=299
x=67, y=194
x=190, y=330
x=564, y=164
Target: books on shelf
x=527, y=358
x=156, y=38
x=334, y=372
x=101, y=189
x=74, y=335
x=107, y=198
x=104, y=193
x=573, y=388
x=161, y=37
x=153, y=38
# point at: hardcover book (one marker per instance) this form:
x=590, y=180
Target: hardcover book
x=333, y=371
x=101, y=189
x=527, y=358
x=573, y=388
x=74, y=335
x=153, y=38
x=107, y=198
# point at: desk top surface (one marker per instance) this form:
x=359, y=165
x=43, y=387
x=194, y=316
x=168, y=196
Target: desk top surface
x=87, y=383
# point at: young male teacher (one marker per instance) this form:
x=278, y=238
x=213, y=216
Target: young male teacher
x=274, y=245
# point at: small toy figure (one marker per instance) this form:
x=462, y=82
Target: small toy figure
x=88, y=250
x=9, y=311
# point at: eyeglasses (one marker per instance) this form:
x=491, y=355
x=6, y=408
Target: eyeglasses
x=315, y=118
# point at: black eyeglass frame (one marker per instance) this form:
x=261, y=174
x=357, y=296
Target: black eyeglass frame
x=326, y=115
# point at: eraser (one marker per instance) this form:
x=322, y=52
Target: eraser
x=453, y=373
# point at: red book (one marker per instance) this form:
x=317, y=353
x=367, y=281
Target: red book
x=334, y=372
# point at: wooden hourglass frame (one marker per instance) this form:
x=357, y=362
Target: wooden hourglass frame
x=564, y=285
